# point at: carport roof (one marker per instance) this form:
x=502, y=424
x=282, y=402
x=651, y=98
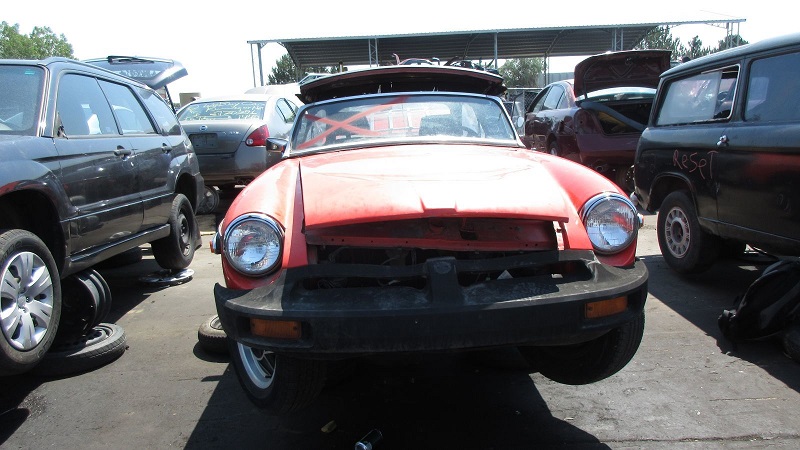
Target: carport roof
x=480, y=44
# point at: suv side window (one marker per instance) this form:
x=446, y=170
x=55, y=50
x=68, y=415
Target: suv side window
x=286, y=110
x=699, y=98
x=129, y=112
x=82, y=108
x=773, y=90
x=162, y=113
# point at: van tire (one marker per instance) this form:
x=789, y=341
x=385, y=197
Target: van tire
x=686, y=248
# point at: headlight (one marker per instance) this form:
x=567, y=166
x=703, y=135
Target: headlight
x=253, y=244
x=611, y=221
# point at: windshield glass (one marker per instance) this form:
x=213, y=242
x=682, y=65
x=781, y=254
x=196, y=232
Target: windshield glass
x=379, y=119
x=224, y=110
x=21, y=96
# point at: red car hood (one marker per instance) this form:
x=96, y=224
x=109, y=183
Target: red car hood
x=631, y=68
x=412, y=182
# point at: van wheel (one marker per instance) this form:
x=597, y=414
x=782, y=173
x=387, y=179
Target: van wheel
x=30, y=301
x=277, y=384
x=176, y=251
x=684, y=245
x=591, y=361
x=553, y=149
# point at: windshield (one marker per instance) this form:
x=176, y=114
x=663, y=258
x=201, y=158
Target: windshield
x=21, y=96
x=223, y=110
x=377, y=119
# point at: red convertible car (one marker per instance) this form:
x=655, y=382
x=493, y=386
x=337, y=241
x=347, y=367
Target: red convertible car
x=407, y=216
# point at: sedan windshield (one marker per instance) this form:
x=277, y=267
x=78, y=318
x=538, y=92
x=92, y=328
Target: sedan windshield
x=379, y=119
x=222, y=110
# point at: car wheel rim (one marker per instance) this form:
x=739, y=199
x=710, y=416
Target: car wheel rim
x=185, y=235
x=259, y=365
x=26, y=300
x=676, y=232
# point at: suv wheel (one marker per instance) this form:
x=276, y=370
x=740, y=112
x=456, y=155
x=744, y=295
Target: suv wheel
x=30, y=301
x=591, y=361
x=176, y=251
x=277, y=383
x=684, y=245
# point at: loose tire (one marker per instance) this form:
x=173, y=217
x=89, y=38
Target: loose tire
x=211, y=337
x=278, y=384
x=553, y=149
x=101, y=345
x=176, y=251
x=686, y=248
x=210, y=200
x=30, y=301
x=591, y=361
x=623, y=177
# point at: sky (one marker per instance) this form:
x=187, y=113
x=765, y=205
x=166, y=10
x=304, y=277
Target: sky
x=210, y=38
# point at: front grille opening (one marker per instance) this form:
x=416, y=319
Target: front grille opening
x=468, y=274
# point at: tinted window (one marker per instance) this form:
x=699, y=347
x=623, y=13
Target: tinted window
x=82, y=108
x=538, y=102
x=554, y=98
x=286, y=110
x=129, y=112
x=162, y=113
x=698, y=98
x=774, y=89
x=21, y=94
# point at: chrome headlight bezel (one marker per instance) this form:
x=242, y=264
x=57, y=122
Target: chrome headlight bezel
x=611, y=222
x=265, y=260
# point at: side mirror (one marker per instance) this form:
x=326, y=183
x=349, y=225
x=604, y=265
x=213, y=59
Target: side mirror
x=276, y=144
x=520, y=121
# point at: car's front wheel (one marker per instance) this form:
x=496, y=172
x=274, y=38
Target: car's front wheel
x=684, y=245
x=590, y=361
x=176, y=251
x=277, y=384
x=30, y=301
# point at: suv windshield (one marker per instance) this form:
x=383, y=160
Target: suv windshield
x=406, y=117
x=21, y=94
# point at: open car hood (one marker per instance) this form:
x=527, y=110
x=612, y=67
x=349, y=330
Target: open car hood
x=401, y=78
x=154, y=72
x=630, y=68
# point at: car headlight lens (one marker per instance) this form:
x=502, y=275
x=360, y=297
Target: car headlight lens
x=611, y=221
x=253, y=244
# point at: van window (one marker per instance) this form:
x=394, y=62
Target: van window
x=774, y=90
x=698, y=98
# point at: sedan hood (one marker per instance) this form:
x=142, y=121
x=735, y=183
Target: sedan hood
x=434, y=181
x=633, y=68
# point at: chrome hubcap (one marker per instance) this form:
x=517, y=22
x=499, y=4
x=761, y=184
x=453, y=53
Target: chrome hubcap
x=26, y=301
x=676, y=232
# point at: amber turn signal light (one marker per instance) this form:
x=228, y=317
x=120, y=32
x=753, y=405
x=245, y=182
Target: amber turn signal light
x=605, y=308
x=278, y=329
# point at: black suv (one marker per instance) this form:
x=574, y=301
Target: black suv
x=720, y=159
x=92, y=164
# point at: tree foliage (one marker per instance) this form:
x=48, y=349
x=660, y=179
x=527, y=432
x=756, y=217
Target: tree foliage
x=522, y=72
x=661, y=38
x=285, y=71
x=39, y=44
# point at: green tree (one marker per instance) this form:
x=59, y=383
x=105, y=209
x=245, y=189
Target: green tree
x=731, y=41
x=285, y=71
x=522, y=72
x=695, y=49
x=661, y=38
x=40, y=43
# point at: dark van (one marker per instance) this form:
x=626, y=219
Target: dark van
x=720, y=158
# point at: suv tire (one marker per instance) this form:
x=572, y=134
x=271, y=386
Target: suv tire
x=175, y=252
x=31, y=300
x=684, y=245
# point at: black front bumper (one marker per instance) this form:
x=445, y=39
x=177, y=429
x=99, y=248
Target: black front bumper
x=539, y=310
